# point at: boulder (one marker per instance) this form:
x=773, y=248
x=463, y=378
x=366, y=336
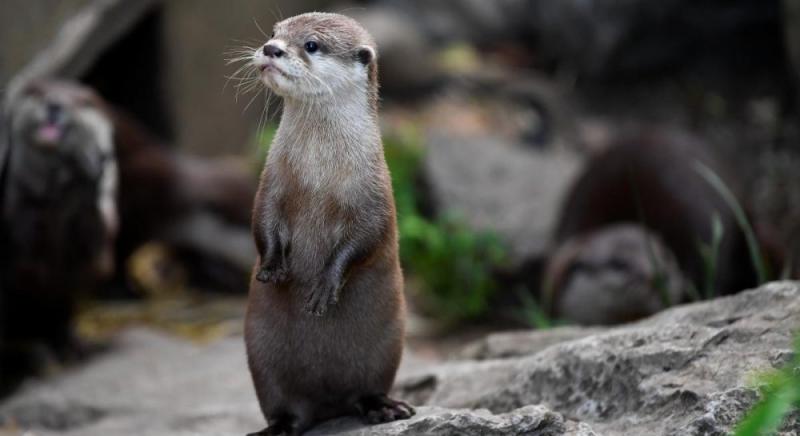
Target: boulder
x=685, y=371
x=510, y=189
x=435, y=421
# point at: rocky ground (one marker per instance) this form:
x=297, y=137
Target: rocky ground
x=686, y=371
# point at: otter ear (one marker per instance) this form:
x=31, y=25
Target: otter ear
x=365, y=54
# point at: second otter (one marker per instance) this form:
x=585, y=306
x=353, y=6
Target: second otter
x=325, y=316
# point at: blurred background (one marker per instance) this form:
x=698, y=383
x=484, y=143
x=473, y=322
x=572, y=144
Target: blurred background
x=561, y=162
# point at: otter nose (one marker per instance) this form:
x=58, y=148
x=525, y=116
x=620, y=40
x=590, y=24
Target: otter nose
x=272, y=51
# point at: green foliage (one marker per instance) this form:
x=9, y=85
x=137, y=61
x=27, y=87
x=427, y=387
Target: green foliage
x=780, y=393
x=453, y=263
x=741, y=219
x=709, y=252
x=533, y=313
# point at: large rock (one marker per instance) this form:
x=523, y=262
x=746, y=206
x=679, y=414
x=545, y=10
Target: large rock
x=686, y=371
x=528, y=421
x=510, y=189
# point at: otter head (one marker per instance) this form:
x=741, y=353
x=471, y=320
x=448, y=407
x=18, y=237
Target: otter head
x=315, y=56
x=57, y=123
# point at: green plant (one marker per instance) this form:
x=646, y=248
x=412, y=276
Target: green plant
x=532, y=312
x=453, y=263
x=709, y=252
x=756, y=256
x=780, y=393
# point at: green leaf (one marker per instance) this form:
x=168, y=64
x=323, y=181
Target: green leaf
x=768, y=414
x=741, y=218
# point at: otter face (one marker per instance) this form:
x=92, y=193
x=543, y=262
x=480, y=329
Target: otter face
x=317, y=55
x=57, y=121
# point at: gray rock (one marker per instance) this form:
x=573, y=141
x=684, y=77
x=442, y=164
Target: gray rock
x=397, y=35
x=147, y=384
x=522, y=343
x=686, y=371
x=510, y=189
x=433, y=421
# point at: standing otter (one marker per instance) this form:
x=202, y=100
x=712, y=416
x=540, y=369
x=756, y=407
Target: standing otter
x=324, y=326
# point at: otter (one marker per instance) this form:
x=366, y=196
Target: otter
x=59, y=213
x=325, y=315
x=623, y=269
x=650, y=179
x=82, y=186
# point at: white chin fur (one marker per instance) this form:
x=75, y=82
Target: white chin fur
x=275, y=81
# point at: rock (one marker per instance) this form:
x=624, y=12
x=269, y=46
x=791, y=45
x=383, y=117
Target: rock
x=522, y=343
x=510, y=189
x=397, y=36
x=501, y=153
x=147, y=384
x=433, y=421
x=684, y=371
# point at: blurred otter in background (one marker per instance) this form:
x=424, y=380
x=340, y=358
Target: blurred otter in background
x=650, y=182
x=617, y=273
x=66, y=229
x=199, y=207
x=59, y=214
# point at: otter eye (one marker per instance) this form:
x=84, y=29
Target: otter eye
x=311, y=46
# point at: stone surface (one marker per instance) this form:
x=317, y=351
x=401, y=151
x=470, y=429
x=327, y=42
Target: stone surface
x=509, y=188
x=148, y=384
x=523, y=342
x=435, y=421
x=686, y=371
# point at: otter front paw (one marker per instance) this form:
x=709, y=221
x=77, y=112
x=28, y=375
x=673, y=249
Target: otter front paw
x=323, y=293
x=274, y=274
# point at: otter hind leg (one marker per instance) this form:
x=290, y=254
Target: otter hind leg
x=376, y=409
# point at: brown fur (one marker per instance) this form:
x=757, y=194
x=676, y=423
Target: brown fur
x=57, y=234
x=324, y=327
x=651, y=180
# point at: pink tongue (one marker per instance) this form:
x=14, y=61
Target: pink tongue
x=49, y=134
